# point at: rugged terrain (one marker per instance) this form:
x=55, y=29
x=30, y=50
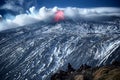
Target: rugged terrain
x=36, y=51
x=85, y=72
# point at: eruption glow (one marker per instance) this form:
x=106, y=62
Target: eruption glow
x=59, y=15
x=56, y=14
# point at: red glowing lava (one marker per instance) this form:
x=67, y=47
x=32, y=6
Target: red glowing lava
x=59, y=15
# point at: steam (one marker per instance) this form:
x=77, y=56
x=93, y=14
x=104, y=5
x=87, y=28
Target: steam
x=47, y=14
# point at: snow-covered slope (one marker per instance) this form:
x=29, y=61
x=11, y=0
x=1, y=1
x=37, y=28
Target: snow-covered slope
x=36, y=51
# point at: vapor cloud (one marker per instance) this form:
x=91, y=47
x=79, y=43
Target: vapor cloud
x=10, y=5
x=47, y=14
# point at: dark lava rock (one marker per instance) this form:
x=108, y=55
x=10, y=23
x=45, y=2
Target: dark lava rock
x=85, y=72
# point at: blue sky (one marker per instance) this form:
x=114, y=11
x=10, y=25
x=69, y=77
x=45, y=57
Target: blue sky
x=80, y=3
x=23, y=12
x=20, y=6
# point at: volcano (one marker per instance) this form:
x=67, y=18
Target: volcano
x=42, y=47
x=36, y=51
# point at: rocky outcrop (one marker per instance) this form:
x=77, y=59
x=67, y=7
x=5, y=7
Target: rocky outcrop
x=79, y=77
x=107, y=73
x=85, y=72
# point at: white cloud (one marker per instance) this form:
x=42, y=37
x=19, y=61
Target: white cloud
x=12, y=6
x=87, y=12
x=47, y=14
x=7, y=6
x=0, y=16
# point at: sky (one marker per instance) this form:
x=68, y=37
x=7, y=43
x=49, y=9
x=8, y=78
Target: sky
x=15, y=13
x=22, y=5
x=81, y=3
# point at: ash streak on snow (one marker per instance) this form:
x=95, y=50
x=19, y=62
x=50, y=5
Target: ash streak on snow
x=38, y=50
x=35, y=51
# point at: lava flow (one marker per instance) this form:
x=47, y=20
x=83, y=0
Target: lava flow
x=59, y=15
